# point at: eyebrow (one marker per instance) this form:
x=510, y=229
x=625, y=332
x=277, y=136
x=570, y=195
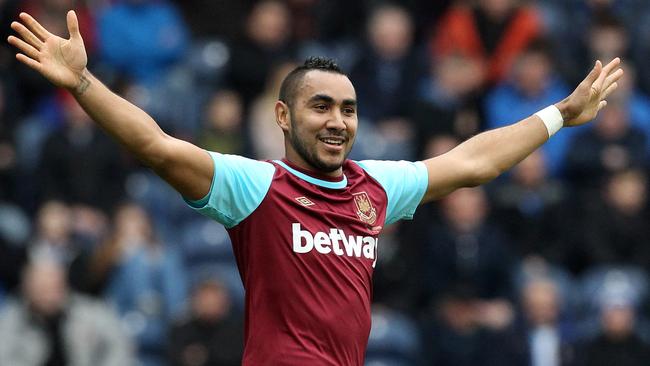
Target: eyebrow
x=327, y=99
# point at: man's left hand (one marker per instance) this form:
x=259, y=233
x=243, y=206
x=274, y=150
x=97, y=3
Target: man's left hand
x=590, y=96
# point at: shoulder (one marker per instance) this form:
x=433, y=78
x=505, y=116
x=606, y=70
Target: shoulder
x=241, y=165
x=87, y=308
x=12, y=309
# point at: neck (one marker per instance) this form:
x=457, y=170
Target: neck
x=295, y=158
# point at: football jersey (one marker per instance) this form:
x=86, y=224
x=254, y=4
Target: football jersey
x=306, y=245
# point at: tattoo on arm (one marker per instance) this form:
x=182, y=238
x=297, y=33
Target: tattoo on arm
x=84, y=83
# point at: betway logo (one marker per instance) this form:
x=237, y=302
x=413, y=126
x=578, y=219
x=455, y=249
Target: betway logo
x=334, y=242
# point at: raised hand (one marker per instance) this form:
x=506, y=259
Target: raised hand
x=61, y=61
x=590, y=96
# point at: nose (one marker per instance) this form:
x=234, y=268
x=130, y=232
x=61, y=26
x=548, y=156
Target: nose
x=336, y=122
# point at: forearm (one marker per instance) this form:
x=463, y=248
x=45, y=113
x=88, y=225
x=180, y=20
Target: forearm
x=485, y=156
x=126, y=123
x=495, y=151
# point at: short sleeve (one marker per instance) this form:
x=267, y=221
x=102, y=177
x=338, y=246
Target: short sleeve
x=238, y=187
x=404, y=182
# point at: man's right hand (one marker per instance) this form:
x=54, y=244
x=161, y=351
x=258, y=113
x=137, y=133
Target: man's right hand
x=61, y=61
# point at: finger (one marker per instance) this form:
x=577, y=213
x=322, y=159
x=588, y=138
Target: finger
x=24, y=47
x=599, y=83
x=593, y=75
x=612, y=78
x=35, y=26
x=27, y=35
x=609, y=90
x=612, y=65
x=602, y=104
x=29, y=61
x=73, y=25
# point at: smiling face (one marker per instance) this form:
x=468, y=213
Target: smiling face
x=320, y=122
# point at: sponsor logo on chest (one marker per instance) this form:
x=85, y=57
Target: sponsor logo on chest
x=334, y=242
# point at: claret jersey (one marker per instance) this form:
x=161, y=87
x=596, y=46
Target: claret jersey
x=306, y=246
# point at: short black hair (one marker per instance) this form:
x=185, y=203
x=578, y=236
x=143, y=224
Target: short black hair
x=293, y=79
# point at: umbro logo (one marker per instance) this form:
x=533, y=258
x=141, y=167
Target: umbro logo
x=304, y=201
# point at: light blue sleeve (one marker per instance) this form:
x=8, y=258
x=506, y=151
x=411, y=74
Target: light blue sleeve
x=238, y=187
x=405, y=183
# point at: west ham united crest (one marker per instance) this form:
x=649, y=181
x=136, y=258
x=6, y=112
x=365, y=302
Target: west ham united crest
x=365, y=210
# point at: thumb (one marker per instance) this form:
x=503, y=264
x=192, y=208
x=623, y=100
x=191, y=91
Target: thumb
x=73, y=25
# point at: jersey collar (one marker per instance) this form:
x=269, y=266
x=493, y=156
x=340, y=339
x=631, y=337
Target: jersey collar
x=326, y=182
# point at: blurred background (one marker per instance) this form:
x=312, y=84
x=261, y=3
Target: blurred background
x=101, y=263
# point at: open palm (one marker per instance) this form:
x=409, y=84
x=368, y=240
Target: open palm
x=61, y=61
x=589, y=97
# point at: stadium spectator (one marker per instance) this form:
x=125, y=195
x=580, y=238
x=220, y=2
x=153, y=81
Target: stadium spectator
x=211, y=334
x=54, y=238
x=8, y=158
x=614, y=230
x=636, y=101
x=561, y=18
x=530, y=206
x=266, y=138
x=147, y=285
x=532, y=85
x=610, y=146
x=223, y=123
x=463, y=331
x=466, y=248
x=447, y=100
x=265, y=42
x=607, y=38
x=141, y=39
x=618, y=342
x=214, y=19
x=77, y=158
x=50, y=325
x=493, y=32
x=387, y=73
x=547, y=338
x=15, y=229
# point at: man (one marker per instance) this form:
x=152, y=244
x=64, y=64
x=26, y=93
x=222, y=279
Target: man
x=211, y=334
x=50, y=325
x=304, y=229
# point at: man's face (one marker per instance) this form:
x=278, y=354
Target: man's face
x=322, y=121
x=45, y=288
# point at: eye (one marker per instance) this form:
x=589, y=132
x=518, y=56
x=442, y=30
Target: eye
x=321, y=107
x=349, y=110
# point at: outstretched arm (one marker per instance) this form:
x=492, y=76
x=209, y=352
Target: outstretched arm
x=485, y=156
x=186, y=167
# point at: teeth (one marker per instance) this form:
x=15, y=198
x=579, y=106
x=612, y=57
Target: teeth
x=334, y=142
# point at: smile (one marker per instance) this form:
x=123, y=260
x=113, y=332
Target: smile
x=333, y=141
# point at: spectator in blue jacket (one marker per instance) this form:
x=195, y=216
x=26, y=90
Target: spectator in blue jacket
x=148, y=285
x=142, y=38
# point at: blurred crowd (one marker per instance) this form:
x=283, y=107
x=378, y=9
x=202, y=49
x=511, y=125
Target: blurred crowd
x=102, y=263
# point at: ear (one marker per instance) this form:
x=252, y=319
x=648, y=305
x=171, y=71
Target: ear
x=282, y=116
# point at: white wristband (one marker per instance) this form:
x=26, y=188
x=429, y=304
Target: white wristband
x=552, y=119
